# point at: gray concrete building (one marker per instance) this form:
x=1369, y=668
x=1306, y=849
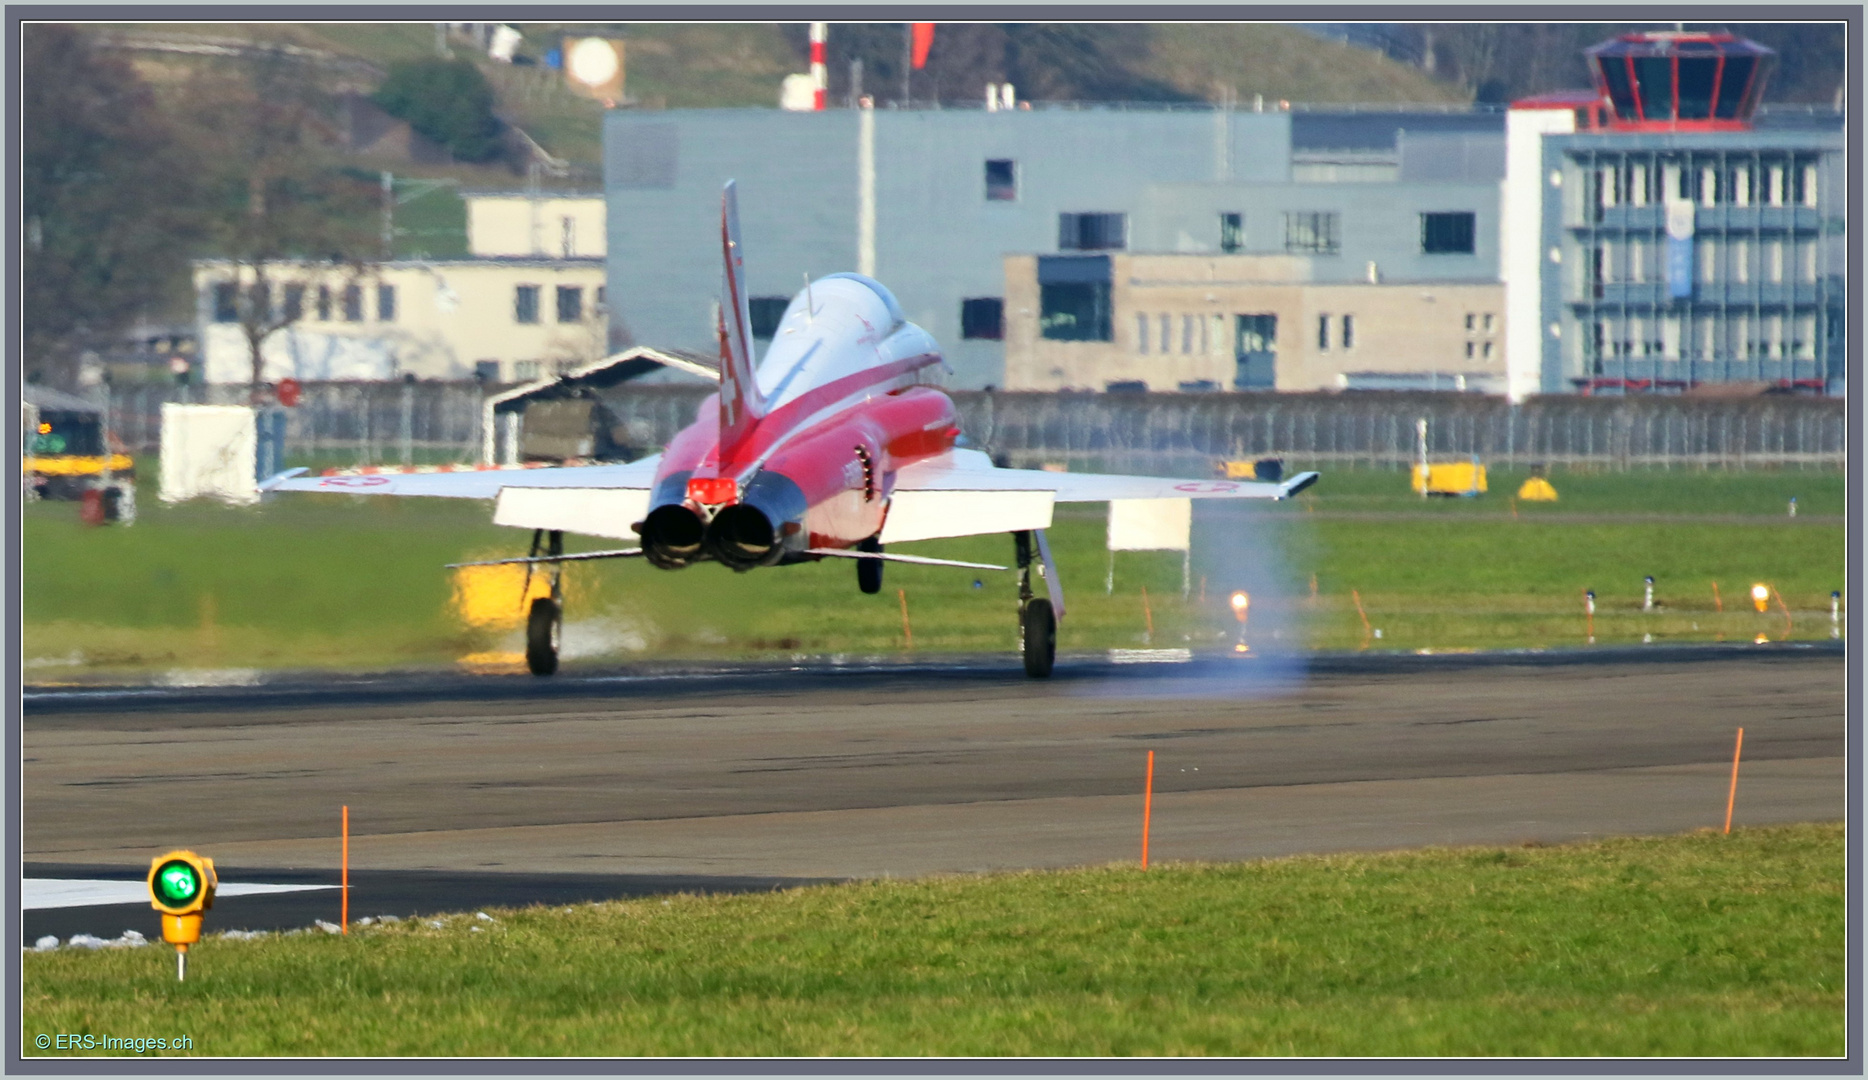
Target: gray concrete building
x=931, y=202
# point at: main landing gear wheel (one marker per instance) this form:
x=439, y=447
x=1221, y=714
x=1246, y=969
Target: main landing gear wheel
x=1038, y=638
x=869, y=571
x=543, y=628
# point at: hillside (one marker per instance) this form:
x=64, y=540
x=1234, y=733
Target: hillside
x=705, y=65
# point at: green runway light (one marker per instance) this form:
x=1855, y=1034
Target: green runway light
x=177, y=883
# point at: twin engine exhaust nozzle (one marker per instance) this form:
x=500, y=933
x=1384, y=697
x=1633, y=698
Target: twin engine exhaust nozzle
x=739, y=536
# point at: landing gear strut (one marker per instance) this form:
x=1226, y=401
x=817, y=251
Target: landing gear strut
x=544, y=624
x=1037, y=623
x=869, y=571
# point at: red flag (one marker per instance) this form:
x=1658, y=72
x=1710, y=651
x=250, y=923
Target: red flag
x=924, y=40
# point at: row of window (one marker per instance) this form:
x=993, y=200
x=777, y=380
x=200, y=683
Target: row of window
x=1306, y=232
x=1738, y=260
x=1740, y=183
x=347, y=302
x=525, y=304
x=1188, y=335
x=1741, y=334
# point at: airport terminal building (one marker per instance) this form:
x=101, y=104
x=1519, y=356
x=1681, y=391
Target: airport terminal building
x=974, y=217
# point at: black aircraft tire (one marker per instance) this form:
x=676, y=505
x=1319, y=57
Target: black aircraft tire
x=542, y=629
x=869, y=571
x=1039, y=638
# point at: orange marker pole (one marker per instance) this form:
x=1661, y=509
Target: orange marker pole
x=1148, y=804
x=1718, y=605
x=1367, y=631
x=1732, y=795
x=1148, y=615
x=1786, y=610
x=343, y=918
x=908, y=633
x=1514, y=509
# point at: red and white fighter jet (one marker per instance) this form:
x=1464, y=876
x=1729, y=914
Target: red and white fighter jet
x=837, y=443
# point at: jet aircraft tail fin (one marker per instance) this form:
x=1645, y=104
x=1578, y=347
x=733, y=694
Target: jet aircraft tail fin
x=741, y=404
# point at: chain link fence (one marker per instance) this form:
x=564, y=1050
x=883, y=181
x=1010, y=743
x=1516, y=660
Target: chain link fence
x=391, y=423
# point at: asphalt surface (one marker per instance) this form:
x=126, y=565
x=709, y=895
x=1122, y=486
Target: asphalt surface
x=470, y=792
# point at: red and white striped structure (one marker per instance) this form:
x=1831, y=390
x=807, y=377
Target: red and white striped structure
x=820, y=84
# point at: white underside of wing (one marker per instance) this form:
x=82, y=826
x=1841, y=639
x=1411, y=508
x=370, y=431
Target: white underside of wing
x=972, y=471
x=929, y=515
x=483, y=484
x=587, y=511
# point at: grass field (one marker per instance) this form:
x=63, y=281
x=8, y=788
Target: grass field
x=353, y=582
x=1688, y=945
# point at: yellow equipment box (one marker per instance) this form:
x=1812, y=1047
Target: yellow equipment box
x=1454, y=478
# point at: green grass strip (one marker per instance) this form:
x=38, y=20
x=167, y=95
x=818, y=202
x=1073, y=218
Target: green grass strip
x=1697, y=944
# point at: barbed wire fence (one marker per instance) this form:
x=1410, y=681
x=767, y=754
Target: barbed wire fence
x=389, y=423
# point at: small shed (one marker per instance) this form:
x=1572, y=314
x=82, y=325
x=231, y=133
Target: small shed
x=562, y=417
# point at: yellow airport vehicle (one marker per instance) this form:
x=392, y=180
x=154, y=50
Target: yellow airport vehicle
x=1451, y=478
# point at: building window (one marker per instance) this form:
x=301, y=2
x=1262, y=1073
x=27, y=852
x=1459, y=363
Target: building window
x=1349, y=331
x=525, y=304
x=1255, y=348
x=324, y=303
x=1471, y=322
x=1073, y=297
x=982, y=318
x=1231, y=232
x=1141, y=334
x=600, y=299
x=567, y=236
x=570, y=303
x=385, y=303
x=486, y=371
x=1488, y=322
x=1323, y=333
x=1001, y=181
x=1471, y=348
x=1167, y=334
x=766, y=313
x=1488, y=350
x=226, y=302
x=1449, y=233
x=1092, y=232
x=353, y=303
x=294, y=302
x=1186, y=334
x=527, y=370
x=1313, y=232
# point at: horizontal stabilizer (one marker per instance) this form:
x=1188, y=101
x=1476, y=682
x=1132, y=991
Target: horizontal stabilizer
x=582, y=556
x=1296, y=484
x=920, y=560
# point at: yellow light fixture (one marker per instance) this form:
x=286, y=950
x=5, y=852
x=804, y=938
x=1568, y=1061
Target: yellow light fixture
x=1761, y=596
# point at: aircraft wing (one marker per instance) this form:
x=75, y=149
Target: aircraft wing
x=468, y=482
x=596, y=500
x=962, y=494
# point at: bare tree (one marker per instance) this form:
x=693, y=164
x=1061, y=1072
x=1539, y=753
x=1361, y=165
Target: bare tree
x=288, y=212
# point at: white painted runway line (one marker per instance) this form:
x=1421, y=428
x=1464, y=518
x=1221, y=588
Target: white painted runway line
x=40, y=893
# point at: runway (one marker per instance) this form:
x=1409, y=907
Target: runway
x=465, y=793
